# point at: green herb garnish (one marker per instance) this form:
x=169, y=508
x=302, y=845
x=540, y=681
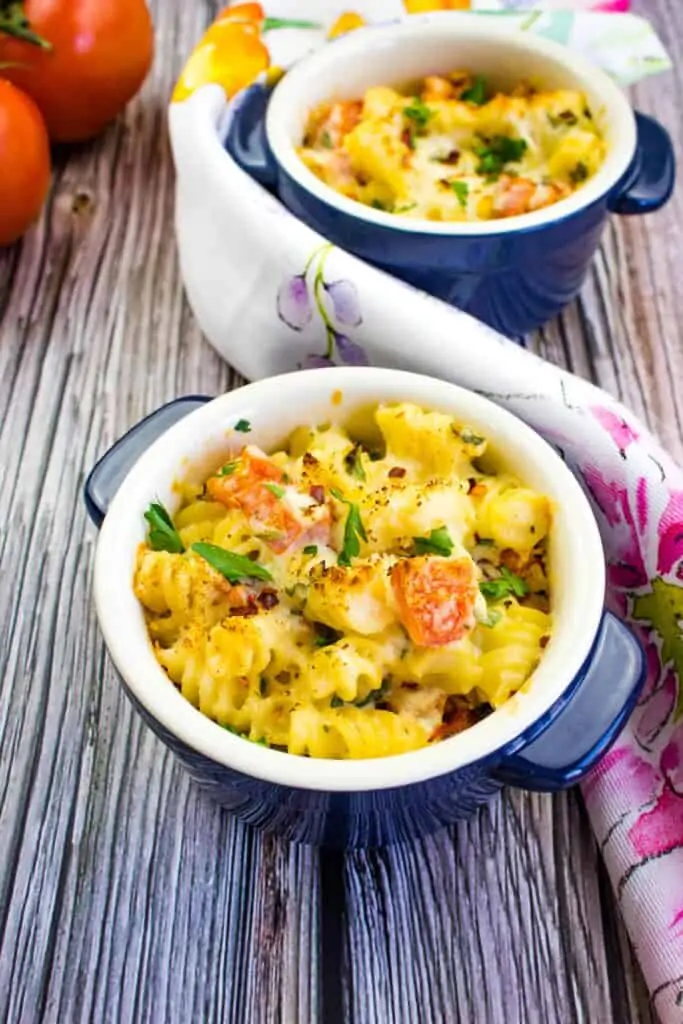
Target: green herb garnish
x=276, y=490
x=462, y=191
x=260, y=743
x=362, y=702
x=469, y=437
x=354, y=531
x=492, y=619
x=498, y=151
x=227, y=469
x=507, y=584
x=437, y=543
x=163, y=535
x=377, y=204
x=476, y=92
x=243, y=426
x=374, y=695
x=311, y=549
x=418, y=112
x=579, y=174
x=405, y=209
x=231, y=565
x=326, y=140
x=325, y=636
x=353, y=463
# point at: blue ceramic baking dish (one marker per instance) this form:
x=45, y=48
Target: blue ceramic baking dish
x=546, y=737
x=513, y=274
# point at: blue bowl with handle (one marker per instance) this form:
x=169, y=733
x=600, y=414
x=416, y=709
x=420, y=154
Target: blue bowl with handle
x=545, y=738
x=513, y=274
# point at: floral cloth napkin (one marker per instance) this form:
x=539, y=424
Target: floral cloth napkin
x=327, y=306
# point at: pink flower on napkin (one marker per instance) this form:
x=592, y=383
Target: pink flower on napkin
x=621, y=432
x=626, y=567
x=670, y=532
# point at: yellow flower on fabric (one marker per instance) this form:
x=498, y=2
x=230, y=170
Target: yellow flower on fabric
x=423, y=6
x=347, y=22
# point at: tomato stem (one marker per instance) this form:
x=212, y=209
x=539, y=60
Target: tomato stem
x=13, y=22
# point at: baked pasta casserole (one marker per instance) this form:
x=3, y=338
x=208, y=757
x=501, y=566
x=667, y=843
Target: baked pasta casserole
x=452, y=149
x=357, y=594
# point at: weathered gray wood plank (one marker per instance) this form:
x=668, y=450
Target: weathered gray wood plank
x=124, y=894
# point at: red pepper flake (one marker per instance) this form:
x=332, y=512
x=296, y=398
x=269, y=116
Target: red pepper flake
x=254, y=555
x=397, y=473
x=268, y=599
x=246, y=611
x=407, y=138
x=318, y=494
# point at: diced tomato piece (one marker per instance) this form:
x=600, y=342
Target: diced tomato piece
x=256, y=486
x=342, y=118
x=515, y=197
x=435, y=598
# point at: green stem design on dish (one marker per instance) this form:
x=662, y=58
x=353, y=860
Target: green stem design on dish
x=318, y=286
x=270, y=24
x=530, y=21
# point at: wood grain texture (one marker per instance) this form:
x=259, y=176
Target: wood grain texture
x=125, y=896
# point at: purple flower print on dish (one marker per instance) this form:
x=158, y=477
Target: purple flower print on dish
x=344, y=298
x=349, y=352
x=316, y=362
x=337, y=305
x=294, y=306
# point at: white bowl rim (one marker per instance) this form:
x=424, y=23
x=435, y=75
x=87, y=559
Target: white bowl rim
x=125, y=634
x=461, y=26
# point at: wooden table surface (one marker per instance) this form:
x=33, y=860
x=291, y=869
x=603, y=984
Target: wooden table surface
x=125, y=895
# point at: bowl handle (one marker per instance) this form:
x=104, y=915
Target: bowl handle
x=592, y=719
x=246, y=140
x=649, y=182
x=109, y=473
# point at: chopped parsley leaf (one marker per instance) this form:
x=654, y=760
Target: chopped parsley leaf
x=579, y=173
x=261, y=743
x=311, y=549
x=498, y=151
x=227, y=469
x=476, y=92
x=163, y=535
x=326, y=140
x=507, y=584
x=353, y=463
x=418, y=112
x=469, y=437
x=276, y=490
x=362, y=702
x=231, y=565
x=462, y=191
x=243, y=426
x=437, y=543
x=492, y=619
x=354, y=531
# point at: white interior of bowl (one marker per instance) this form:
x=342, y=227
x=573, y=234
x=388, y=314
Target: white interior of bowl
x=274, y=407
x=441, y=43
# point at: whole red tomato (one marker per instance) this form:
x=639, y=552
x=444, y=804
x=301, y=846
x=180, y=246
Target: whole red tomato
x=24, y=162
x=101, y=51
